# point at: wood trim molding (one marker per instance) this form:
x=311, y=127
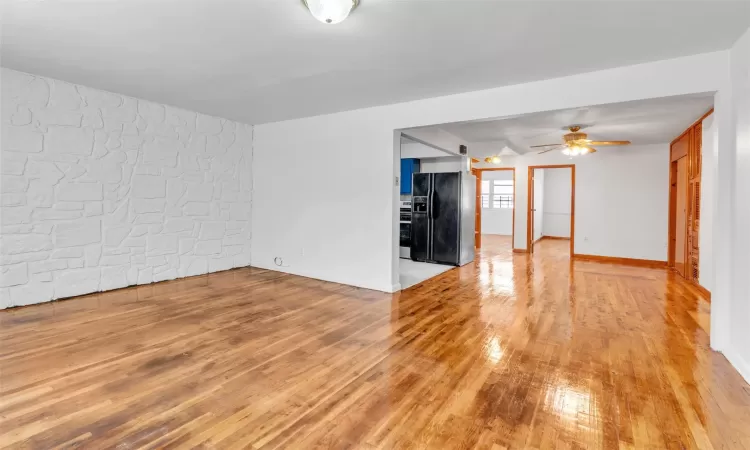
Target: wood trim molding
x=672, y=212
x=520, y=250
x=704, y=292
x=559, y=238
x=529, y=201
x=652, y=263
x=478, y=210
x=689, y=127
x=529, y=189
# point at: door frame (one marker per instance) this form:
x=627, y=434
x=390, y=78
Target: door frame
x=478, y=213
x=530, y=199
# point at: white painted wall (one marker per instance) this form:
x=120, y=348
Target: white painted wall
x=418, y=151
x=102, y=191
x=436, y=137
x=615, y=214
x=733, y=313
x=622, y=201
x=361, y=248
x=496, y=220
x=708, y=183
x=557, y=194
x=442, y=165
x=538, y=204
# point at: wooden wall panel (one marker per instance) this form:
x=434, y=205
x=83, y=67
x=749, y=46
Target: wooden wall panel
x=688, y=145
x=680, y=147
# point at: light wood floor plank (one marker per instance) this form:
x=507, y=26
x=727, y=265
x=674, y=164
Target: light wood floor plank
x=511, y=351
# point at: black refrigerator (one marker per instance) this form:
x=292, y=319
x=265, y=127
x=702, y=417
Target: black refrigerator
x=442, y=218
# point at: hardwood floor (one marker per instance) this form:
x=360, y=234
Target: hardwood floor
x=512, y=351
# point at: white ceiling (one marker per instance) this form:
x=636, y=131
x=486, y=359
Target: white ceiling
x=265, y=60
x=643, y=122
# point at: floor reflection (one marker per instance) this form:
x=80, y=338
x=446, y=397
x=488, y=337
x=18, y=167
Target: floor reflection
x=494, y=350
x=547, y=352
x=570, y=403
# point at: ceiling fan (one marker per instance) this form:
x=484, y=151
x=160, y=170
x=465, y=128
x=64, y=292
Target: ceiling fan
x=576, y=143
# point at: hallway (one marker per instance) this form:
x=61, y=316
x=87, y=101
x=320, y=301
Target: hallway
x=511, y=351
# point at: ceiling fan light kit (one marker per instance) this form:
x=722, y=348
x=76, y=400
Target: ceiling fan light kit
x=495, y=159
x=577, y=150
x=330, y=11
x=577, y=143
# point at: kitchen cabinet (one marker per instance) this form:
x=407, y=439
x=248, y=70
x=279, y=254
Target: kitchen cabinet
x=409, y=167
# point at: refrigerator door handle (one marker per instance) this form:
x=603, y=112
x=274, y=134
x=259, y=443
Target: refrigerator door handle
x=429, y=205
x=432, y=205
x=429, y=225
x=430, y=220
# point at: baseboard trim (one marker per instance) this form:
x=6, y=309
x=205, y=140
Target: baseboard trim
x=651, y=263
x=705, y=292
x=520, y=250
x=558, y=238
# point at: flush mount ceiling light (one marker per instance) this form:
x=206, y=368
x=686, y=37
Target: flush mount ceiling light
x=330, y=11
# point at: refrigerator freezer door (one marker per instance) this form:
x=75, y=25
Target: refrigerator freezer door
x=421, y=184
x=420, y=217
x=420, y=229
x=446, y=214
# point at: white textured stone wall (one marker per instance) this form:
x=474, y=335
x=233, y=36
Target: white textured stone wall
x=101, y=191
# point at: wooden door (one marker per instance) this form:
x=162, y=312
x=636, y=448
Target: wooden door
x=681, y=192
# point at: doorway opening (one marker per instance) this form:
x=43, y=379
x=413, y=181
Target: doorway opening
x=495, y=212
x=436, y=215
x=622, y=220
x=550, y=210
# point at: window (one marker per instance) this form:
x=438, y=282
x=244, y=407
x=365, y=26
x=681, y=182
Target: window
x=502, y=194
x=499, y=191
x=485, y=193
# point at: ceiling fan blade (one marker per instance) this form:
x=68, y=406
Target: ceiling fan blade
x=550, y=149
x=609, y=142
x=474, y=160
x=545, y=145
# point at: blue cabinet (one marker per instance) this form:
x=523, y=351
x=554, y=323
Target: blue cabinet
x=408, y=167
